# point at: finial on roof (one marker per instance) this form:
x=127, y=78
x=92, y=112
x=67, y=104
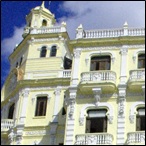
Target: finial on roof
x=125, y=24
x=43, y=4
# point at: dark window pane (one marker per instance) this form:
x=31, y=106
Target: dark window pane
x=41, y=106
x=100, y=63
x=53, y=51
x=43, y=52
x=11, y=111
x=141, y=61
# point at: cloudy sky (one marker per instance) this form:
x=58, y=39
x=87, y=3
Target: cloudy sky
x=91, y=14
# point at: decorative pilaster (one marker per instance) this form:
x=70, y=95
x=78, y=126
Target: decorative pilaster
x=70, y=116
x=123, y=76
x=24, y=94
x=77, y=53
x=56, y=103
x=53, y=129
x=97, y=95
x=121, y=115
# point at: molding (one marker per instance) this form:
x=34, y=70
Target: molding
x=45, y=40
x=133, y=110
x=100, y=52
x=81, y=96
x=38, y=132
x=92, y=105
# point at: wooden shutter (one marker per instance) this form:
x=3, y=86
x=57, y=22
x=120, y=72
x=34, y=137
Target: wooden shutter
x=102, y=65
x=105, y=124
x=88, y=125
x=137, y=123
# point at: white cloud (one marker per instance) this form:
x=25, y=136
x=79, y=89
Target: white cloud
x=9, y=44
x=103, y=14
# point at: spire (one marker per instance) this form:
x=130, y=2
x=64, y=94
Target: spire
x=43, y=4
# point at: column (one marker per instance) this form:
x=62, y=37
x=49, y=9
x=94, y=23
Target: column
x=20, y=127
x=77, y=53
x=70, y=122
x=122, y=97
x=123, y=75
x=25, y=93
x=54, y=124
x=56, y=103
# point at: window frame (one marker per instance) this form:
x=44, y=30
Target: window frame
x=41, y=99
x=93, y=119
x=139, y=119
x=100, y=61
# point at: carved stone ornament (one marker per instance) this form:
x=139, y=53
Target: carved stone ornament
x=71, y=108
x=121, y=106
x=131, y=118
x=77, y=53
x=81, y=121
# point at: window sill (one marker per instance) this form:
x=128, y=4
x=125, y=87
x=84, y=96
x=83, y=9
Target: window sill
x=39, y=117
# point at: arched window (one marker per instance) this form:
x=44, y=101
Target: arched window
x=44, y=23
x=100, y=63
x=53, y=51
x=43, y=52
x=141, y=61
x=96, y=121
x=140, y=119
x=11, y=111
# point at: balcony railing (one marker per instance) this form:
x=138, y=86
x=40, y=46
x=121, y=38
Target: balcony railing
x=98, y=76
x=65, y=73
x=137, y=75
x=6, y=124
x=94, y=139
x=136, y=137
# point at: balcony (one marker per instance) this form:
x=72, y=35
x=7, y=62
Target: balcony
x=136, y=138
x=104, y=79
x=94, y=139
x=137, y=79
x=6, y=124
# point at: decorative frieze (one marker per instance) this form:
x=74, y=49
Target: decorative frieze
x=38, y=132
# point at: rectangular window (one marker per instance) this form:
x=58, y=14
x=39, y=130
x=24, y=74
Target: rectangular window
x=141, y=61
x=100, y=63
x=96, y=121
x=41, y=106
x=140, y=120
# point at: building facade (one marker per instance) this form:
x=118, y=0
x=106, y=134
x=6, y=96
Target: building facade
x=86, y=91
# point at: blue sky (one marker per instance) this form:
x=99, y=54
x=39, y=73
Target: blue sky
x=92, y=15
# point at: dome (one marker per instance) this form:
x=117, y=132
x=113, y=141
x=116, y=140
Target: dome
x=44, y=9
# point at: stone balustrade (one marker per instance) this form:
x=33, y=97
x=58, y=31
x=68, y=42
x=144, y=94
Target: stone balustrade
x=110, y=33
x=137, y=75
x=98, y=76
x=45, y=30
x=136, y=137
x=6, y=124
x=65, y=73
x=94, y=139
